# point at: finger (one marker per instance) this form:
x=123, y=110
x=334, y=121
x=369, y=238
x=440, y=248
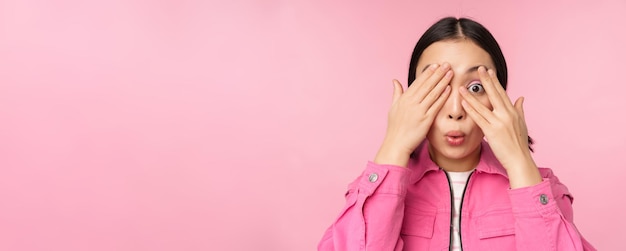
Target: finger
x=476, y=105
x=438, y=89
x=397, y=91
x=420, y=93
x=421, y=79
x=506, y=101
x=477, y=117
x=498, y=86
x=492, y=92
x=436, y=106
x=432, y=81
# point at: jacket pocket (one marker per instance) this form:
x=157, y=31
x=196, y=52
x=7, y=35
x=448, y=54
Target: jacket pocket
x=418, y=222
x=498, y=223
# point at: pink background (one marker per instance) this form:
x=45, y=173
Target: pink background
x=187, y=125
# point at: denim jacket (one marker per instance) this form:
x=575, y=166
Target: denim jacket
x=395, y=208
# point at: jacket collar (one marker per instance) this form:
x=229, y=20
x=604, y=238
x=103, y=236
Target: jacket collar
x=421, y=163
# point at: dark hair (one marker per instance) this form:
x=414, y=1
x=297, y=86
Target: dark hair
x=451, y=28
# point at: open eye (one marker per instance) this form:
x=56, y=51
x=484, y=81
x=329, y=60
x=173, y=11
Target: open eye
x=476, y=88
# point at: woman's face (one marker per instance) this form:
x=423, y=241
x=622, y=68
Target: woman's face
x=454, y=137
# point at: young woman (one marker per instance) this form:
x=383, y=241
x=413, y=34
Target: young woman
x=455, y=170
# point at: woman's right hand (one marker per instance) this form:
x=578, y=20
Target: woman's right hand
x=412, y=113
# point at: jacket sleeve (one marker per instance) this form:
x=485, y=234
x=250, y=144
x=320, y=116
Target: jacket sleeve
x=544, y=218
x=373, y=214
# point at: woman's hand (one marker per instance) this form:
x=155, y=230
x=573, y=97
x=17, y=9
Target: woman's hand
x=505, y=129
x=412, y=113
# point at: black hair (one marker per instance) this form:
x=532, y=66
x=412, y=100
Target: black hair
x=451, y=28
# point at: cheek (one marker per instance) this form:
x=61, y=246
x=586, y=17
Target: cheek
x=485, y=101
x=433, y=128
x=476, y=134
x=477, y=130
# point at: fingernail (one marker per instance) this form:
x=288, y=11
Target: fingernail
x=448, y=74
x=434, y=66
x=445, y=66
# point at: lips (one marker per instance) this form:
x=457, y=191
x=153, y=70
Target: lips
x=455, y=138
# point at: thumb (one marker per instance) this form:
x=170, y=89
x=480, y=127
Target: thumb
x=397, y=90
x=519, y=106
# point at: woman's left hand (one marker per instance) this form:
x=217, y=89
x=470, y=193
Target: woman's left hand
x=505, y=129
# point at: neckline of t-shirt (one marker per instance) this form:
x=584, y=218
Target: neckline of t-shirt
x=461, y=173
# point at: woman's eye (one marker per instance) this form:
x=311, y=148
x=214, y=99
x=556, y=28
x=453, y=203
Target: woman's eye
x=476, y=88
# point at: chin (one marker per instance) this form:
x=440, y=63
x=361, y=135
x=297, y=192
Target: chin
x=455, y=152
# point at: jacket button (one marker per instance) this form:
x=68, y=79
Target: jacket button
x=373, y=177
x=543, y=199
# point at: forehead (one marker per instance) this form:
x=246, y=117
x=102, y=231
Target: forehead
x=460, y=53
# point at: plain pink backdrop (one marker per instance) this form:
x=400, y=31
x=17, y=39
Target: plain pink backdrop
x=194, y=125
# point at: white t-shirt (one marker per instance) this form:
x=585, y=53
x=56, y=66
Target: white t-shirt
x=457, y=183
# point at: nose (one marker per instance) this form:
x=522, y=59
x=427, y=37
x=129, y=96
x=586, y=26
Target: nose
x=453, y=107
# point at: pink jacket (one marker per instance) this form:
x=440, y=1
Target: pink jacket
x=396, y=208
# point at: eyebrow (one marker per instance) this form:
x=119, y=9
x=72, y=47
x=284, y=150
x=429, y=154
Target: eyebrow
x=471, y=69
